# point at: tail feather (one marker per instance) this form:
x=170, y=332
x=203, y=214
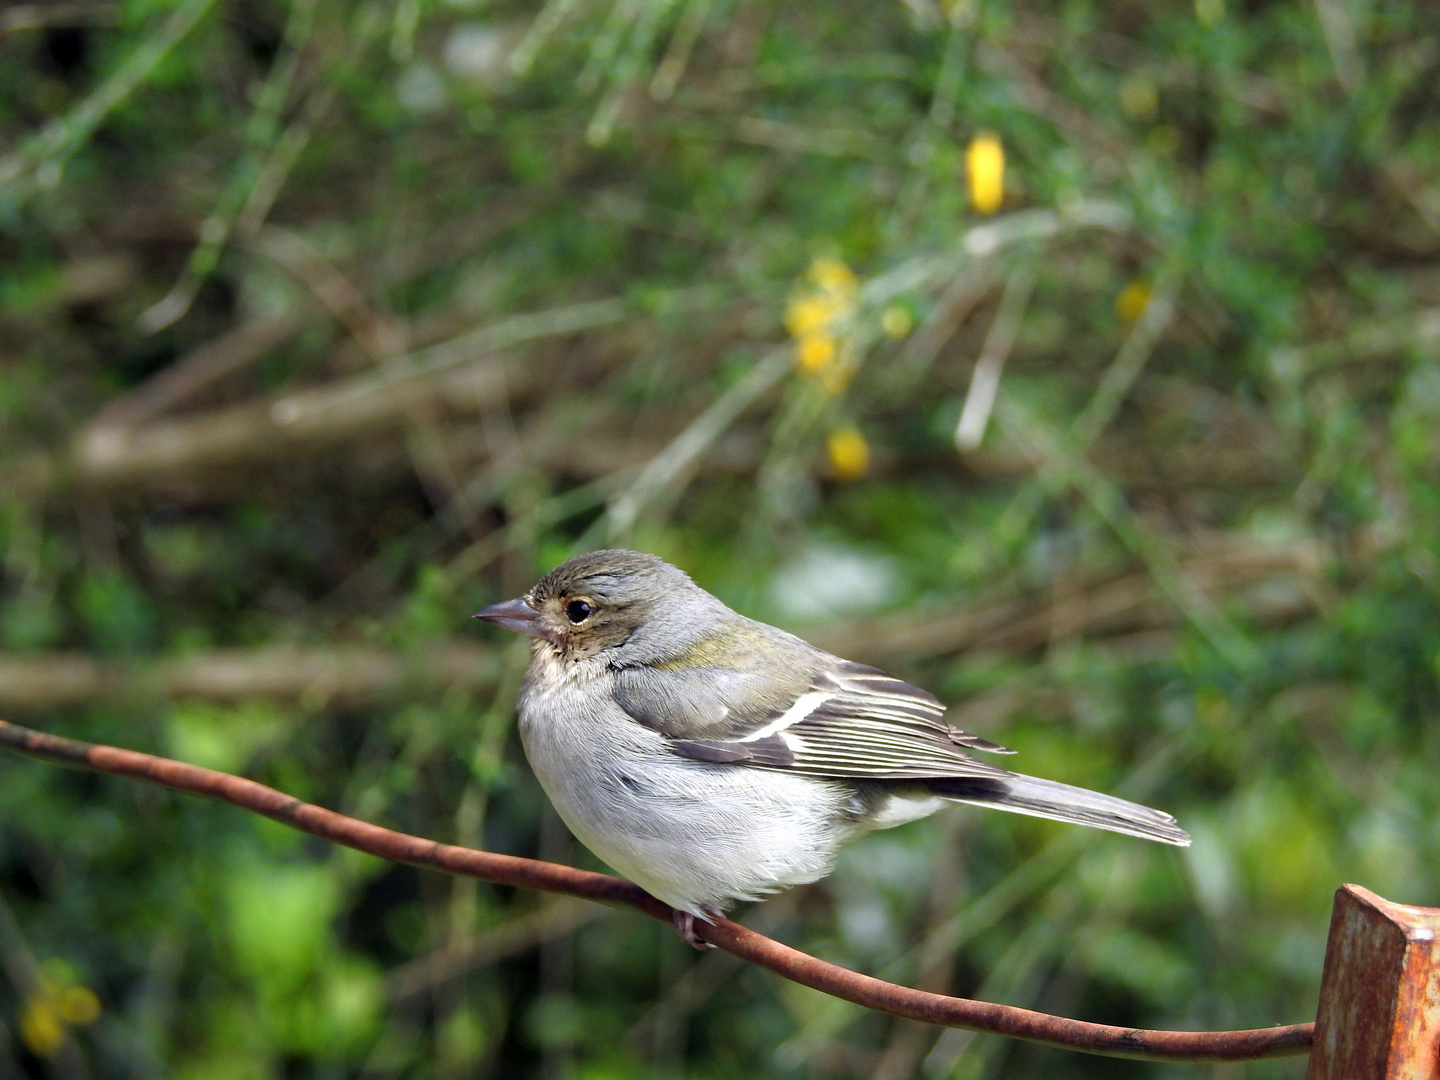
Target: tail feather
x=1062, y=802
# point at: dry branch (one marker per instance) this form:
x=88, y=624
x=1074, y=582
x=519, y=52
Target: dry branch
x=1279, y=584
x=1289, y=1040
x=1124, y=605
x=125, y=447
x=107, y=457
x=198, y=371
x=462, y=375
x=344, y=674
x=64, y=134
x=551, y=920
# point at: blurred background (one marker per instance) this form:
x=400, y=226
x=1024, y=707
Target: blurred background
x=1075, y=360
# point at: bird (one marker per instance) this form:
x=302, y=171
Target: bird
x=712, y=759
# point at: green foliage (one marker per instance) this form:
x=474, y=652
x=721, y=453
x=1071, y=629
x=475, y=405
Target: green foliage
x=1193, y=556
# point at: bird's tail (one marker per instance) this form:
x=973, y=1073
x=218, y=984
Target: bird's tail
x=1062, y=802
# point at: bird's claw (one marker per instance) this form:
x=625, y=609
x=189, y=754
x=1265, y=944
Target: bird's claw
x=685, y=927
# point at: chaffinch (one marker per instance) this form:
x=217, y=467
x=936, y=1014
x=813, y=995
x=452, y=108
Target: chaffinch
x=711, y=758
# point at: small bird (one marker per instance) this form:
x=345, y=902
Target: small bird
x=711, y=758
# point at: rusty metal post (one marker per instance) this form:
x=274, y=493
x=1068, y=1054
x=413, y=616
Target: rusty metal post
x=1379, y=1016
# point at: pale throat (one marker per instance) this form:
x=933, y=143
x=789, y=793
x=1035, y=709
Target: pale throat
x=551, y=673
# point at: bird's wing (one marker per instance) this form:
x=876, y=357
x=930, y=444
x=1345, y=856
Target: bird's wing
x=847, y=720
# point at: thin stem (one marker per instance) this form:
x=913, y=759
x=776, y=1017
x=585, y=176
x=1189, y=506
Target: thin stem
x=1026, y=1024
x=39, y=161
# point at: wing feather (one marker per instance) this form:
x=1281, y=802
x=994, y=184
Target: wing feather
x=850, y=720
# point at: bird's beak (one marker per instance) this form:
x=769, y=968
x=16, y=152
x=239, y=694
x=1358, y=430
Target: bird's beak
x=516, y=615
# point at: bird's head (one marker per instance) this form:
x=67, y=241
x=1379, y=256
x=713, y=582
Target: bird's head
x=635, y=605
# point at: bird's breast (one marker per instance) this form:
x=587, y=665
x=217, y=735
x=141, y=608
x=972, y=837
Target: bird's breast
x=690, y=832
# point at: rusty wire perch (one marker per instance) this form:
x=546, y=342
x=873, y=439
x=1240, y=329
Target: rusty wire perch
x=1017, y=1023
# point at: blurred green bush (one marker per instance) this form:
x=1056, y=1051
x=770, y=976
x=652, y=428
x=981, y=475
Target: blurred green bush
x=1077, y=361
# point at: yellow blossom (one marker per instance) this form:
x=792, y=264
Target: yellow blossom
x=815, y=317
x=55, y=1003
x=895, y=320
x=848, y=453
x=806, y=314
x=41, y=1028
x=1133, y=300
x=834, y=277
x=985, y=172
x=1209, y=12
x=814, y=352
x=1138, y=98
x=78, y=1005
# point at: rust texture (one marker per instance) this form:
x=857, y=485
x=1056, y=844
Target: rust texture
x=1293, y=1039
x=1379, y=1016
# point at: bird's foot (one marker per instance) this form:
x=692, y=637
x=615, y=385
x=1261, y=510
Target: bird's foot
x=685, y=927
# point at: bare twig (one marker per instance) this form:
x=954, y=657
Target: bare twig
x=1095, y=608
x=1063, y=466
x=668, y=469
x=193, y=373
x=58, y=13
x=39, y=160
x=953, y=307
x=1364, y=342
x=1340, y=39
x=1015, y=974
x=1289, y=1040
x=378, y=336
x=109, y=458
x=262, y=131
x=985, y=379
x=677, y=53
x=60, y=680
x=908, y=1039
x=809, y=139
x=682, y=996
x=526, y=931
x=462, y=374
x=1128, y=363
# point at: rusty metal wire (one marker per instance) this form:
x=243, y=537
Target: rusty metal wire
x=1017, y=1023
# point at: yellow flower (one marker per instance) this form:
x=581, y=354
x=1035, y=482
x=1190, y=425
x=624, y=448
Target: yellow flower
x=985, y=171
x=78, y=1005
x=1133, y=300
x=895, y=320
x=806, y=314
x=1209, y=12
x=814, y=352
x=848, y=453
x=834, y=277
x=1138, y=98
x=57, y=1001
x=41, y=1027
x=815, y=317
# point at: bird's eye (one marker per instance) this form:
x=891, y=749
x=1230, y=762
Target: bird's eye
x=577, y=611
